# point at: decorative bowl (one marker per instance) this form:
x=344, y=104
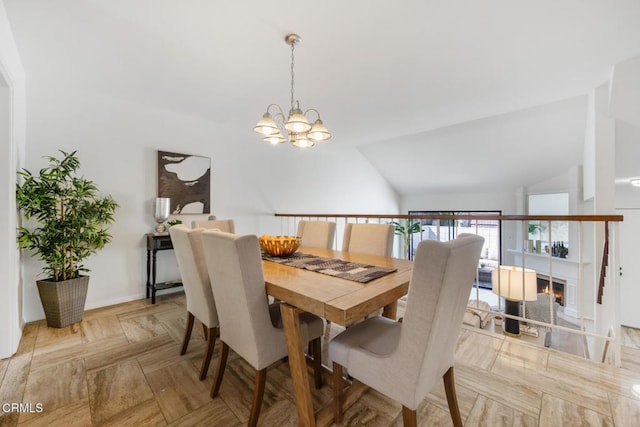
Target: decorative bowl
x=279, y=245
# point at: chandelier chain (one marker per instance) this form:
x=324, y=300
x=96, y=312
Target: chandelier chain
x=293, y=45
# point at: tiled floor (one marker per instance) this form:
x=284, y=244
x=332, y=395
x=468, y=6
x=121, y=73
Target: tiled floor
x=121, y=366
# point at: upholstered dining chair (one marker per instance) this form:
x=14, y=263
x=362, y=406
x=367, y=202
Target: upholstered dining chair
x=225, y=225
x=187, y=245
x=317, y=234
x=404, y=360
x=248, y=324
x=372, y=239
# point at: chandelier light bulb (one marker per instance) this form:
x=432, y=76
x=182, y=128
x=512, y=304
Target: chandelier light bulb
x=275, y=139
x=266, y=125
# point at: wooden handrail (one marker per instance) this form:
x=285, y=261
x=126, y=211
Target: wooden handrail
x=579, y=218
x=493, y=217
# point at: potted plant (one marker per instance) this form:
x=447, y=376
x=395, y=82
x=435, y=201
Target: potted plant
x=406, y=230
x=535, y=230
x=71, y=219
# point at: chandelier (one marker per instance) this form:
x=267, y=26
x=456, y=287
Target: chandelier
x=296, y=126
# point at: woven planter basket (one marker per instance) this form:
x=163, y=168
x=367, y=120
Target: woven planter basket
x=63, y=302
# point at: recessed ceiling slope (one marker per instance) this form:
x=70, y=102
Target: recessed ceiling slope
x=498, y=153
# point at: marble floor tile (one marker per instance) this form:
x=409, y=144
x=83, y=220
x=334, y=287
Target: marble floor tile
x=430, y=415
x=626, y=411
x=492, y=413
x=630, y=337
x=57, y=338
x=607, y=377
x=144, y=414
x=100, y=328
x=558, y=412
x=216, y=413
x=55, y=387
x=117, y=388
x=477, y=350
x=114, y=310
x=15, y=379
x=124, y=351
x=49, y=356
x=524, y=355
x=178, y=390
x=28, y=339
x=76, y=414
x=466, y=398
x=164, y=356
x=631, y=359
x=142, y=328
x=95, y=373
x=567, y=387
x=523, y=396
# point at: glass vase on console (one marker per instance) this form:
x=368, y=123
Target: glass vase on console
x=161, y=210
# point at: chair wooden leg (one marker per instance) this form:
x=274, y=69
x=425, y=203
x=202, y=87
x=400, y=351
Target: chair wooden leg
x=205, y=332
x=212, y=333
x=222, y=363
x=409, y=418
x=315, y=351
x=337, y=392
x=258, y=394
x=187, y=333
x=452, y=400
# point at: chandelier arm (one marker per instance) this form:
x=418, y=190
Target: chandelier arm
x=279, y=112
x=314, y=110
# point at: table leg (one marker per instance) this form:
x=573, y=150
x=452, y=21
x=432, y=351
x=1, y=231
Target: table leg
x=148, y=271
x=153, y=278
x=390, y=310
x=297, y=364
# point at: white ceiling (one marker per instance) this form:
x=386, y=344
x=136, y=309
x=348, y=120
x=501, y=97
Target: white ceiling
x=463, y=82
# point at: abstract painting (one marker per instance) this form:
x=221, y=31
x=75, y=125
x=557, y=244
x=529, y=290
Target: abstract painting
x=186, y=180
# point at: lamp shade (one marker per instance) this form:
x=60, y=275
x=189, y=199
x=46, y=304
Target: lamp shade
x=515, y=284
x=297, y=122
x=319, y=131
x=266, y=125
x=301, y=141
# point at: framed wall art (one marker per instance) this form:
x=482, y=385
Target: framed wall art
x=186, y=180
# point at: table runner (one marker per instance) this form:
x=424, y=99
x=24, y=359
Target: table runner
x=354, y=271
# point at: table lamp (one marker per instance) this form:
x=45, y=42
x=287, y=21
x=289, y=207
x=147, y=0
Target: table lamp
x=515, y=284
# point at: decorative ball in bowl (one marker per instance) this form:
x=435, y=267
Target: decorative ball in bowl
x=279, y=245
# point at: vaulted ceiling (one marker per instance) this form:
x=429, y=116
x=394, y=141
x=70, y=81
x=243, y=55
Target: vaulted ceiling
x=479, y=92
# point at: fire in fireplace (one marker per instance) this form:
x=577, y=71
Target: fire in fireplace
x=558, y=287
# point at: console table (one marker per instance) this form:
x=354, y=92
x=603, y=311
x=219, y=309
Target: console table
x=157, y=242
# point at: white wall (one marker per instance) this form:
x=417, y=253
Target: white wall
x=12, y=134
x=251, y=180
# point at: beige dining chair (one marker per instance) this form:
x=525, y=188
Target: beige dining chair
x=187, y=245
x=403, y=360
x=372, y=239
x=225, y=225
x=317, y=234
x=248, y=324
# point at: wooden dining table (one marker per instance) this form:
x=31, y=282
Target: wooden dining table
x=337, y=300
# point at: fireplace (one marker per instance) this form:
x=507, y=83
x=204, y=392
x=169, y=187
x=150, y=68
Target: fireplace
x=558, y=287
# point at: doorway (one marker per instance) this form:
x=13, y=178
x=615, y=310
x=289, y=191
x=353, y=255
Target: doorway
x=629, y=267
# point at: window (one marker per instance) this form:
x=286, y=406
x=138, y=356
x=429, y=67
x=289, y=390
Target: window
x=449, y=230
